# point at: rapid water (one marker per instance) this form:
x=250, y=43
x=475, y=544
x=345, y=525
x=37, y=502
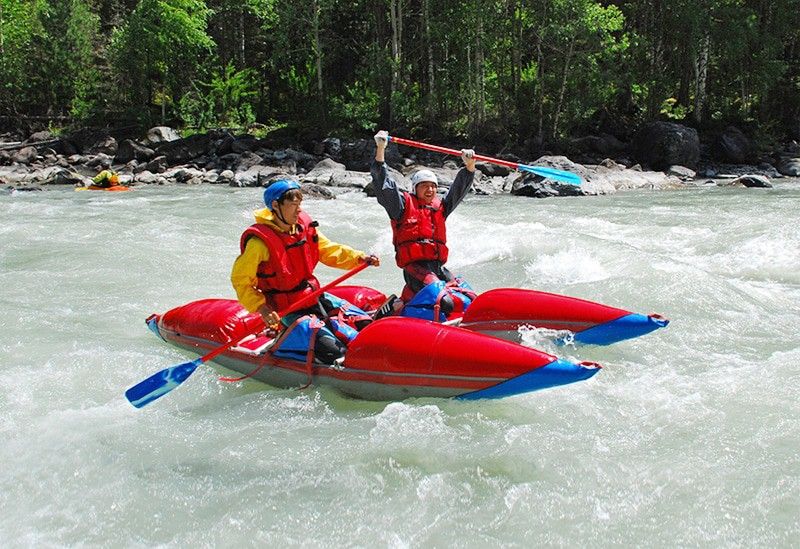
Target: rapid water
x=689, y=437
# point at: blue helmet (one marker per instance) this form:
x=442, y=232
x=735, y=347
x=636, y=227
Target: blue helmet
x=277, y=189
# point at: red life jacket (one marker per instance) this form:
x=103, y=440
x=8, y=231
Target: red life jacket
x=288, y=275
x=420, y=235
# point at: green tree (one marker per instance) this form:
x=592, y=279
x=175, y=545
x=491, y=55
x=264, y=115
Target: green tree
x=18, y=22
x=158, y=49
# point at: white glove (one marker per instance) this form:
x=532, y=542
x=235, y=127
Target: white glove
x=382, y=138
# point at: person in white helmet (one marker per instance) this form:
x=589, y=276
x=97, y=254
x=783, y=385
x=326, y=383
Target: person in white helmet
x=418, y=218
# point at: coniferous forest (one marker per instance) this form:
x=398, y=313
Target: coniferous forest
x=538, y=71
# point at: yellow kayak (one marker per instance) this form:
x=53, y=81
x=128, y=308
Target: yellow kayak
x=96, y=188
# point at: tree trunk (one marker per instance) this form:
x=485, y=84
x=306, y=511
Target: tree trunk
x=540, y=89
x=516, y=53
x=431, y=100
x=481, y=77
x=561, y=93
x=701, y=77
x=1, y=29
x=317, y=48
x=242, y=42
x=384, y=83
x=396, y=17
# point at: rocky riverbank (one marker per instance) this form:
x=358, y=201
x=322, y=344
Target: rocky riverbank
x=665, y=156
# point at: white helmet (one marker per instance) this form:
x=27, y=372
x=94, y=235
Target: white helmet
x=424, y=175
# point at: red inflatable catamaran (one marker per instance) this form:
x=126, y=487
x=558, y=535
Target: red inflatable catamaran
x=396, y=358
x=391, y=359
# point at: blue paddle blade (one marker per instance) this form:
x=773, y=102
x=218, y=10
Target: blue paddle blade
x=160, y=383
x=552, y=173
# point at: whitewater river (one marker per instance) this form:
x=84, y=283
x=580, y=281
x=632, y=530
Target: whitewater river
x=689, y=437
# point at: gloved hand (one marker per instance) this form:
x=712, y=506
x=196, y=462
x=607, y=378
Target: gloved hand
x=468, y=156
x=382, y=138
x=271, y=318
x=372, y=260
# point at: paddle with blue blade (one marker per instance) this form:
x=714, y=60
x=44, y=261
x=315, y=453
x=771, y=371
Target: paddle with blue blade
x=550, y=173
x=161, y=383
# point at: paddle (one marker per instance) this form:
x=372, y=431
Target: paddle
x=550, y=173
x=166, y=380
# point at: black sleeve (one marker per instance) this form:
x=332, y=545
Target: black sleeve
x=458, y=190
x=386, y=191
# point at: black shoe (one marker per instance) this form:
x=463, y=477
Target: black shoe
x=387, y=309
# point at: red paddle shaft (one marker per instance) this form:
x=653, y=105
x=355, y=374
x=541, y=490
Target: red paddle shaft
x=453, y=152
x=293, y=307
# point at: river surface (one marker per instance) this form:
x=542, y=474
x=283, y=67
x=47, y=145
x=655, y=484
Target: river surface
x=689, y=436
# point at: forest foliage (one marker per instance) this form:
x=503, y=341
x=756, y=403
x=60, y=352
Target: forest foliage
x=539, y=70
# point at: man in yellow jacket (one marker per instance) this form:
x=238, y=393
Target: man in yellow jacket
x=280, y=251
x=105, y=179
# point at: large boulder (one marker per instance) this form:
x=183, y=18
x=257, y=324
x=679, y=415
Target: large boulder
x=25, y=155
x=749, y=180
x=529, y=184
x=258, y=176
x=182, y=151
x=161, y=134
x=131, y=150
x=733, y=146
x=660, y=145
x=107, y=145
x=358, y=155
x=789, y=167
x=62, y=176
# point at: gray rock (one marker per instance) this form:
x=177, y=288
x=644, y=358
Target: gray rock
x=147, y=178
x=36, y=137
x=492, y=170
x=484, y=185
x=130, y=150
x=663, y=144
x=107, y=146
x=161, y=134
x=100, y=161
x=529, y=184
x=317, y=191
x=789, y=167
x=188, y=176
x=62, y=176
x=226, y=176
x=733, y=146
x=156, y=165
x=331, y=173
x=682, y=172
x=751, y=180
x=258, y=176
x=333, y=146
x=25, y=155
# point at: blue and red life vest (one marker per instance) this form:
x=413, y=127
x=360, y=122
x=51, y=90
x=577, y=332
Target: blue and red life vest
x=288, y=275
x=420, y=234
x=426, y=304
x=341, y=324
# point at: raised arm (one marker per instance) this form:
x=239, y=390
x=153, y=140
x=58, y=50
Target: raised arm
x=462, y=184
x=386, y=191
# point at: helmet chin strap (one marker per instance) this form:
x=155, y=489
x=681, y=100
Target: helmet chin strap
x=279, y=215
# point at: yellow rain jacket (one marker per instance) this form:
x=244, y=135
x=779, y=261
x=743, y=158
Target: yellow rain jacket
x=106, y=178
x=243, y=274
